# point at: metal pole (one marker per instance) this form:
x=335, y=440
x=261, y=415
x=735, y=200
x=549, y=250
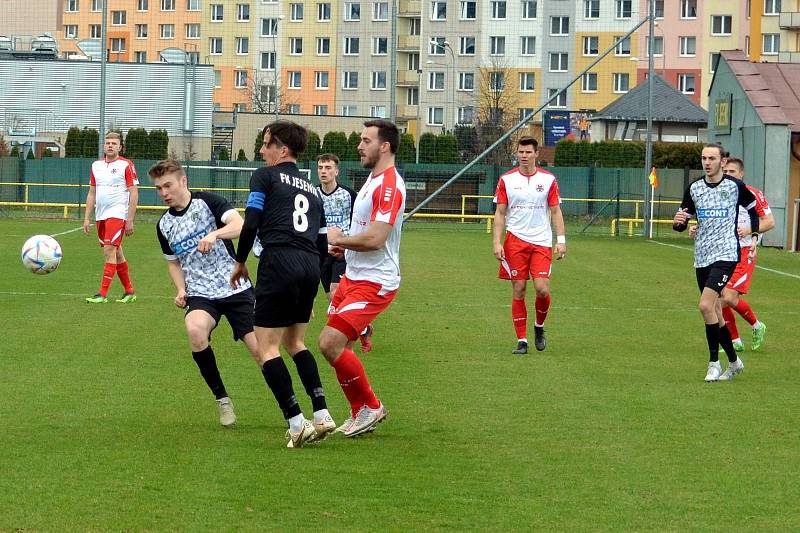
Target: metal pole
x=419, y=106
x=393, y=64
x=275, y=74
x=103, y=45
x=648, y=154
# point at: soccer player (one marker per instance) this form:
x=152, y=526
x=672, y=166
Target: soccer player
x=337, y=199
x=113, y=195
x=715, y=199
x=195, y=235
x=525, y=196
x=372, y=277
x=285, y=212
x=740, y=280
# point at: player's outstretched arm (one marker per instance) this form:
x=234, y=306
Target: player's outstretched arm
x=497, y=231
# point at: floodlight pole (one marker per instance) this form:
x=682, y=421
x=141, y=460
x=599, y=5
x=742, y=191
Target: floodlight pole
x=103, y=38
x=648, y=154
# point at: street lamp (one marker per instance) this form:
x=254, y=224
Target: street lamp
x=445, y=45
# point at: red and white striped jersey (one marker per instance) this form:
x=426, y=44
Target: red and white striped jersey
x=381, y=199
x=762, y=208
x=529, y=199
x=111, y=181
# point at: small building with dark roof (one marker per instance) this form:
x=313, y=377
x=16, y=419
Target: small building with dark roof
x=755, y=114
x=676, y=118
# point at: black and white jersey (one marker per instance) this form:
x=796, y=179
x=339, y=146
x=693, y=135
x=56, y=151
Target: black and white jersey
x=338, y=206
x=291, y=210
x=179, y=232
x=716, y=206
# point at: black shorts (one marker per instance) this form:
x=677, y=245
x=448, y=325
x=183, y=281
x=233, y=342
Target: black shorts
x=715, y=276
x=332, y=271
x=288, y=279
x=237, y=308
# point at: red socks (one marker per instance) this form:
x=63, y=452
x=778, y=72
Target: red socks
x=730, y=321
x=124, y=277
x=519, y=314
x=542, y=307
x=354, y=382
x=745, y=311
x=108, y=276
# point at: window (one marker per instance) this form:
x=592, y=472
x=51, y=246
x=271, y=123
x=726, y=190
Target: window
x=747, y=45
x=528, y=9
x=436, y=46
x=293, y=109
x=721, y=25
x=713, y=61
x=527, y=46
x=166, y=31
x=527, y=81
x=497, y=81
x=378, y=80
x=324, y=12
x=686, y=83
x=688, y=46
x=377, y=111
x=591, y=45
x=242, y=45
x=142, y=5
x=435, y=81
x=94, y=31
x=659, y=9
x=349, y=110
x=771, y=43
x=499, y=9
x=438, y=10
x=497, y=46
x=351, y=45
x=524, y=112
x=296, y=46
x=192, y=31
x=658, y=46
x=70, y=31
x=141, y=31
x=71, y=6
x=688, y=9
x=215, y=46
x=192, y=5
x=119, y=18
x=167, y=5
x=240, y=107
x=267, y=60
x=97, y=5
x=414, y=26
x=242, y=12
x=217, y=79
x=380, y=11
x=193, y=58
x=591, y=9
x=321, y=79
x=295, y=79
x=559, y=61
x=560, y=100
x=217, y=12
x=589, y=82
x=466, y=115
x=323, y=46
x=623, y=48
x=350, y=80
x=413, y=62
x=296, y=12
x=380, y=46
x=266, y=94
x=240, y=79
x=495, y=115
x=320, y=109
x=621, y=82
x=352, y=11
x=412, y=96
x=468, y=9
x=117, y=45
x=772, y=7
x=140, y=57
x=624, y=9
x=559, y=25
x=269, y=27
x=466, y=46
x=435, y=116
x=466, y=81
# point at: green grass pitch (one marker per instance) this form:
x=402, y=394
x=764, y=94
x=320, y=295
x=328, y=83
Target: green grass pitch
x=107, y=425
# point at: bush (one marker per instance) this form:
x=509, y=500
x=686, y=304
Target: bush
x=73, y=146
x=223, y=154
x=335, y=142
x=241, y=156
x=159, y=144
x=312, y=148
x=46, y=153
x=406, y=153
x=447, y=148
x=90, y=143
x=30, y=155
x=352, y=146
x=137, y=144
x=257, y=148
x=627, y=154
x=427, y=148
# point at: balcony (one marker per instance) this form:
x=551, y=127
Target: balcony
x=407, y=112
x=407, y=78
x=408, y=43
x=410, y=8
x=789, y=21
x=789, y=57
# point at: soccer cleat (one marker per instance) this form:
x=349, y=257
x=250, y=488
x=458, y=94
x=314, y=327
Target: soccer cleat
x=733, y=368
x=127, y=298
x=366, y=339
x=366, y=421
x=714, y=371
x=738, y=346
x=521, y=349
x=540, y=341
x=323, y=428
x=227, y=417
x=344, y=427
x=97, y=299
x=758, y=336
x=306, y=434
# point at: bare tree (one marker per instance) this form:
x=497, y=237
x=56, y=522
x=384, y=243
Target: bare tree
x=265, y=91
x=496, y=109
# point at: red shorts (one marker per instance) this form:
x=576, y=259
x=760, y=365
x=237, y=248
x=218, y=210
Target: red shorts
x=356, y=304
x=743, y=275
x=110, y=231
x=525, y=260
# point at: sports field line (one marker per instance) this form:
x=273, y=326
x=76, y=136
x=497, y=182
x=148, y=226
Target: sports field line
x=70, y=295
x=79, y=228
x=779, y=272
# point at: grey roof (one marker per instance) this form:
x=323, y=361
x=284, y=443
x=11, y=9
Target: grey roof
x=669, y=105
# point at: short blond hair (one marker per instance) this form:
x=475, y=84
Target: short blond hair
x=114, y=135
x=164, y=167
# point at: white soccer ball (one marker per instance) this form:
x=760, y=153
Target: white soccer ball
x=41, y=254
